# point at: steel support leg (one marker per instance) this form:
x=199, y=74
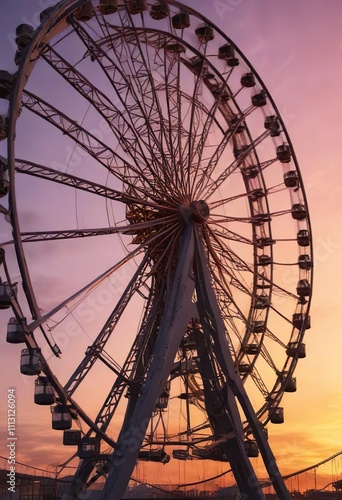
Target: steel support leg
x=209, y=312
x=179, y=309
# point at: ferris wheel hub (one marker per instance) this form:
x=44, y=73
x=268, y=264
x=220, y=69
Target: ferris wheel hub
x=197, y=211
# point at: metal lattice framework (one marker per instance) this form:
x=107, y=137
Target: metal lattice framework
x=147, y=164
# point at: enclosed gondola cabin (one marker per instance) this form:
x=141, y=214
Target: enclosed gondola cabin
x=5, y=295
x=251, y=448
x=290, y=384
x=265, y=241
x=300, y=320
x=205, y=33
x=271, y=123
x=61, y=417
x=45, y=14
x=262, y=301
x=283, y=153
x=175, y=47
x=250, y=171
x=107, y=7
x=305, y=262
x=296, y=350
x=291, y=179
x=303, y=288
x=227, y=53
x=298, y=211
x=3, y=127
x=252, y=349
x=6, y=83
x=15, y=332
x=259, y=100
x=24, y=34
x=303, y=238
x=4, y=181
x=89, y=447
x=154, y=456
x=256, y=194
x=180, y=454
x=2, y=255
x=72, y=437
x=264, y=260
x=43, y=392
x=220, y=92
x=30, y=362
x=198, y=65
x=260, y=219
x=237, y=125
x=137, y=6
x=163, y=399
x=241, y=151
x=160, y=10
x=244, y=368
x=276, y=415
x=258, y=326
x=85, y=12
x=181, y=20
x=248, y=80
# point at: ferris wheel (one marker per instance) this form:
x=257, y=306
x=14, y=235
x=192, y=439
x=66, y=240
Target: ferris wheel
x=161, y=235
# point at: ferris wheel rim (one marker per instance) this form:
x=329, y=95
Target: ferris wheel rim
x=18, y=238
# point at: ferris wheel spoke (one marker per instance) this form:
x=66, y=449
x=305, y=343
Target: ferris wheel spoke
x=137, y=281
x=229, y=307
x=227, y=272
x=208, y=171
x=258, y=381
x=228, y=133
x=227, y=254
x=131, y=370
x=219, y=88
x=104, y=106
x=196, y=118
x=235, y=281
x=261, y=167
x=234, y=323
x=43, y=172
x=42, y=319
x=247, y=153
x=30, y=237
x=138, y=50
x=229, y=235
x=174, y=124
x=235, y=277
x=139, y=227
x=265, y=354
x=232, y=266
x=89, y=142
x=198, y=154
x=164, y=250
x=170, y=74
x=282, y=292
x=143, y=123
x=274, y=338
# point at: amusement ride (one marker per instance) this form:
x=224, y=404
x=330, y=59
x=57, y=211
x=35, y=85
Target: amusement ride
x=157, y=227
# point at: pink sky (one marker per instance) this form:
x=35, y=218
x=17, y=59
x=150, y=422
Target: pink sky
x=296, y=47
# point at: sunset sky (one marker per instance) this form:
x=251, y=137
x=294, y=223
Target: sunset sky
x=296, y=48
